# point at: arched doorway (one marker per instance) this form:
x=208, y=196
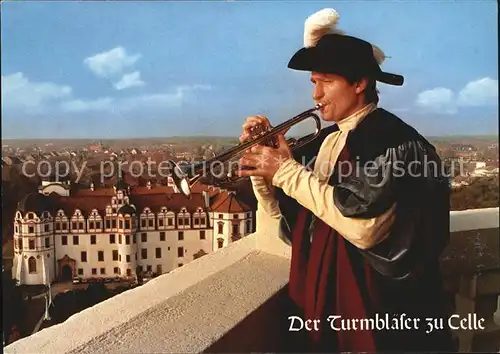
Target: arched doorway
x=67, y=273
x=63, y=264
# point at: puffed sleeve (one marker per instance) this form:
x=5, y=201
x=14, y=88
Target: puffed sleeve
x=317, y=196
x=408, y=176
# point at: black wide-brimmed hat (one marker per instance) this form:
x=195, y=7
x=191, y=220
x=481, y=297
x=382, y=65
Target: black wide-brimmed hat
x=343, y=55
x=328, y=50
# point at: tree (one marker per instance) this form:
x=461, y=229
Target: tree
x=13, y=306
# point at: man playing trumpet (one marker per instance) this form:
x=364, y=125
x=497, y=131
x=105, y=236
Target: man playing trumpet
x=368, y=223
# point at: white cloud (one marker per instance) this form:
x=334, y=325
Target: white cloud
x=482, y=92
x=21, y=93
x=130, y=80
x=478, y=93
x=102, y=104
x=142, y=102
x=110, y=63
x=439, y=99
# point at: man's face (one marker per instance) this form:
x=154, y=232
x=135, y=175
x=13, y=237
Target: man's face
x=340, y=98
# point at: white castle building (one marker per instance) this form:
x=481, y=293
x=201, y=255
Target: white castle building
x=120, y=231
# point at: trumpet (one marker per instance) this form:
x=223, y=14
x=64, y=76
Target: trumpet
x=186, y=176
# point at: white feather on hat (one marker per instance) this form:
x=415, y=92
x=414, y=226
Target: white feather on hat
x=324, y=22
x=319, y=24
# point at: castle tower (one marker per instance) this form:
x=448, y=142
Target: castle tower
x=34, y=251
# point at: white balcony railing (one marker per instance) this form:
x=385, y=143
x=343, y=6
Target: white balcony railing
x=231, y=300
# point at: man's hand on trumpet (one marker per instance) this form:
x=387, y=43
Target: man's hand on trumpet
x=264, y=161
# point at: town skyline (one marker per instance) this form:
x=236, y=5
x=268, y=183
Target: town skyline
x=140, y=70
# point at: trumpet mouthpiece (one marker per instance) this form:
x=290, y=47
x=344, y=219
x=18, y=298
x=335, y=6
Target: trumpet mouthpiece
x=319, y=105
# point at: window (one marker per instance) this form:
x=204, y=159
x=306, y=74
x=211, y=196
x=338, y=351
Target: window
x=120, y=239
x=158, y=252
x=220, y=227
x=58, y=226
x=143, y=223
x=127, y=239
x=116, y=270
x=64, y=240
x=236, y=229
x=144, y=237
x=81, y=227
x=133, y=238
x=113, y=223
x=181, y=235
x=120, y=257
x=108, y=224
x=31, y=244
x=180, y=222
x=75, y=240
x=20, y=243
x=127, y=224
x=115, y=255
x=94, y=271
x=80, y=271
x=84, y=256
x=186, y=221
x=159, y=269
x=249, y=226
x=47, y=228
x=128, y=258
x=144, y=253
x=220, y=242
x=180, y=251
x=112, y=238
x=47, y=242
x=160, y=222
x=100, y=256
x=91, y=225
x=32, y=264
x=202, y=234
x=162, y=236
x=98, y=225
x=31, y=229
x=235, y=216
x=220, y=216
x=103, y=270
x=170, y=222
x=92, y=240
x=180, y=265
x=73, y=225
x=196, y=221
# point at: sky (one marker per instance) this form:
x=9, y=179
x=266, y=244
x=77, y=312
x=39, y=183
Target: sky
x=166, y=68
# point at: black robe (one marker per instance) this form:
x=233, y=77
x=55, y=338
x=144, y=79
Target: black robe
x=400, y=275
